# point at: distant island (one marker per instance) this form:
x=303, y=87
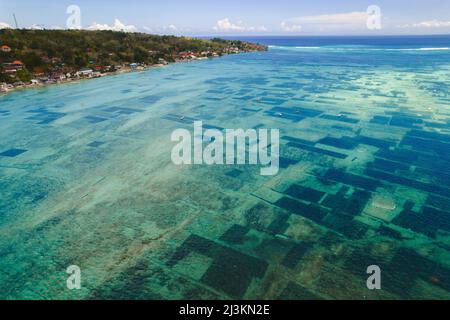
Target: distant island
x=36, y=57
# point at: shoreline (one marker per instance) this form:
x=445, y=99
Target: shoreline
x=107, y=74
x=73, y=80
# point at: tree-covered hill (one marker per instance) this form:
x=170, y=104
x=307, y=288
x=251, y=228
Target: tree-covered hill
x=46, y=51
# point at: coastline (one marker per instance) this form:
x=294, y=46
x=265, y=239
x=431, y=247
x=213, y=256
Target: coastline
x=73, y=80
x=124, y=70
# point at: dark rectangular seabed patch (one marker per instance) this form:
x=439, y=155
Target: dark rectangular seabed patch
x=45, y=116
x=438, y=202
x=388, y=166
x=343, y=128
x=230, y=272
x=441, y=177
x=317, y=150
x=298, y=140
x=430, y=135
x=401, y=272
x=279, y=224
x=296, y=254
x=400, y=180
x=352, y=206
x=391, y=233
x=416, y=222
x=436, y=125
x=94, y=119
x=304, y=193
x=352, y=180
x=150, y=99
x=426, y=145
x=233, y=173
x=11, y=153
x=399, y=155
x=345, y=224
x=380, y=120
x=312, y=212
x=345, y=143
x=339, y=118
x=286, y=162
x=272, y=101
x=382, y=144
x=95, y=144
x=122, y=110
x=235, y=234
x=413, y=266
x=405, y=122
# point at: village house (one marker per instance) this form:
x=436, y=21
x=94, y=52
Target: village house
x=17, y=64
x=186, y=55
x=13, y=67
x=5, y=48
x=8, y=68
x=85, y=72
x=38, y=72
x=3, y=87
x=162, y=61
x=57, y=76
x=233, y=50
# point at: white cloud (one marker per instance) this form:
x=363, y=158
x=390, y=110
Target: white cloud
x=428, y=24
x=227, y=25
x=4, y=25
x=37, y=27
x=330, y=22
x=290, y=26
x=259, y=28
x=171, y=28
x=118, y=26
x=335, y=19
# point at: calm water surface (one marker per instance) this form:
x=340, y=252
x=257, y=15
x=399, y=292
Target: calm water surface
x=86, y=178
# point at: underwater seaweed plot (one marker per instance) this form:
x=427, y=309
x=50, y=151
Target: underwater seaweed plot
x=230, y=271
x=12, y=153
x=44, y=116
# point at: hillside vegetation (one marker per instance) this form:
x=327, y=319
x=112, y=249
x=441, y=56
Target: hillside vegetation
x=50, y=51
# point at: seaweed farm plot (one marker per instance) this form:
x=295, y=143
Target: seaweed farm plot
x=87, y=180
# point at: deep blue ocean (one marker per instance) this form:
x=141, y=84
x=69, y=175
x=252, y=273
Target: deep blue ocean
x=437, y=41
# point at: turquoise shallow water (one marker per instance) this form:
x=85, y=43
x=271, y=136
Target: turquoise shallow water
x=86, y=179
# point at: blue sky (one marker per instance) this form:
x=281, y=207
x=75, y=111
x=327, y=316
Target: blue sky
x=233, y=17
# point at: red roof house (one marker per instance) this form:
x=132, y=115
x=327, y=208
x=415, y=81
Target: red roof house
x=5, y=48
